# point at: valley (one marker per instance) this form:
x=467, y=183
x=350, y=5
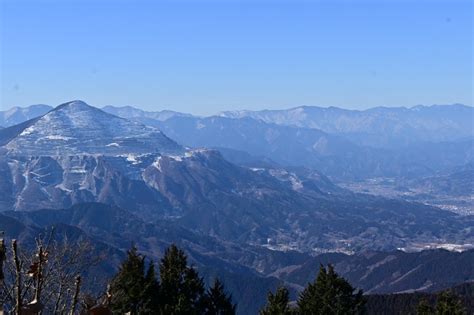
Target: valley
x=462, y=204
x=250, y=201
x=236, y=157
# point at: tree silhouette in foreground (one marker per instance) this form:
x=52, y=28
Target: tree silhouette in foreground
x=133, y=289
x=278, y=303
x=218, y=302
x=330, y=294
x=179, y=290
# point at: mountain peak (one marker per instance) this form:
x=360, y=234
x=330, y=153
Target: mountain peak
x=78, y=128
x=76, y=105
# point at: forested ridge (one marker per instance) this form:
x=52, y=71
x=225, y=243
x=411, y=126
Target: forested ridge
x=48, y=280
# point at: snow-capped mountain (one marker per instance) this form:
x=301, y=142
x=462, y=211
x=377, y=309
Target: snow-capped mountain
x=77, y=128
x=386, y=127
x=334, y=155
x=347, y=145
x=18, y=115
x=260, y=220
x=65, y=157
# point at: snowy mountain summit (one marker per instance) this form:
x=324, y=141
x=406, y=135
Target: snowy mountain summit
x=78, y=128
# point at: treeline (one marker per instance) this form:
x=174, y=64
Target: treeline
x=456, y=300
x=48, y=281
x=179, y=290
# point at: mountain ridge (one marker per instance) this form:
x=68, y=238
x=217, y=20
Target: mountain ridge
x=258, y=222
x=379, y=126
x=249, y=272
x=198, y=189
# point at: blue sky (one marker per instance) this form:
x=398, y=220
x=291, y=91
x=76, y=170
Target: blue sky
x=208, y=56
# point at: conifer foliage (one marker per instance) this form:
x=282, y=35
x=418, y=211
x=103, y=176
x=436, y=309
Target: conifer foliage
x=218, y=301
x=179, y=290
x=449, y=304
x=134, y=289
x=182, y=290
x=278, y=303
x=330, y=294
x=424, y=308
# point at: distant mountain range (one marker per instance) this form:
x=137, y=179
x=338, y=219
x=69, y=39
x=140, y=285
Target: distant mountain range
x=17, y=115
x=343, y=144
x=335, y=156
x=145, y=117
x=77, y=153
x=380, y=126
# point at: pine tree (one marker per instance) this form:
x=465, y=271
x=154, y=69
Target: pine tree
x=424, y=308
x=449, y=304
x=151, y=291
x=218, y=302
x=330, y=294
x=278, y=303
x=131, y=289
x=181, y=288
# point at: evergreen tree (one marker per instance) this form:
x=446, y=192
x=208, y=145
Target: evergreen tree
x=132, y=290
x=277, y=304
x=424, y=308
x=151, y=291
x=330, y=294
x=181, y=288
x=218, y=302
x=449, y=304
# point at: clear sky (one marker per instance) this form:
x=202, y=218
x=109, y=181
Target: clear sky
x=206, y=56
